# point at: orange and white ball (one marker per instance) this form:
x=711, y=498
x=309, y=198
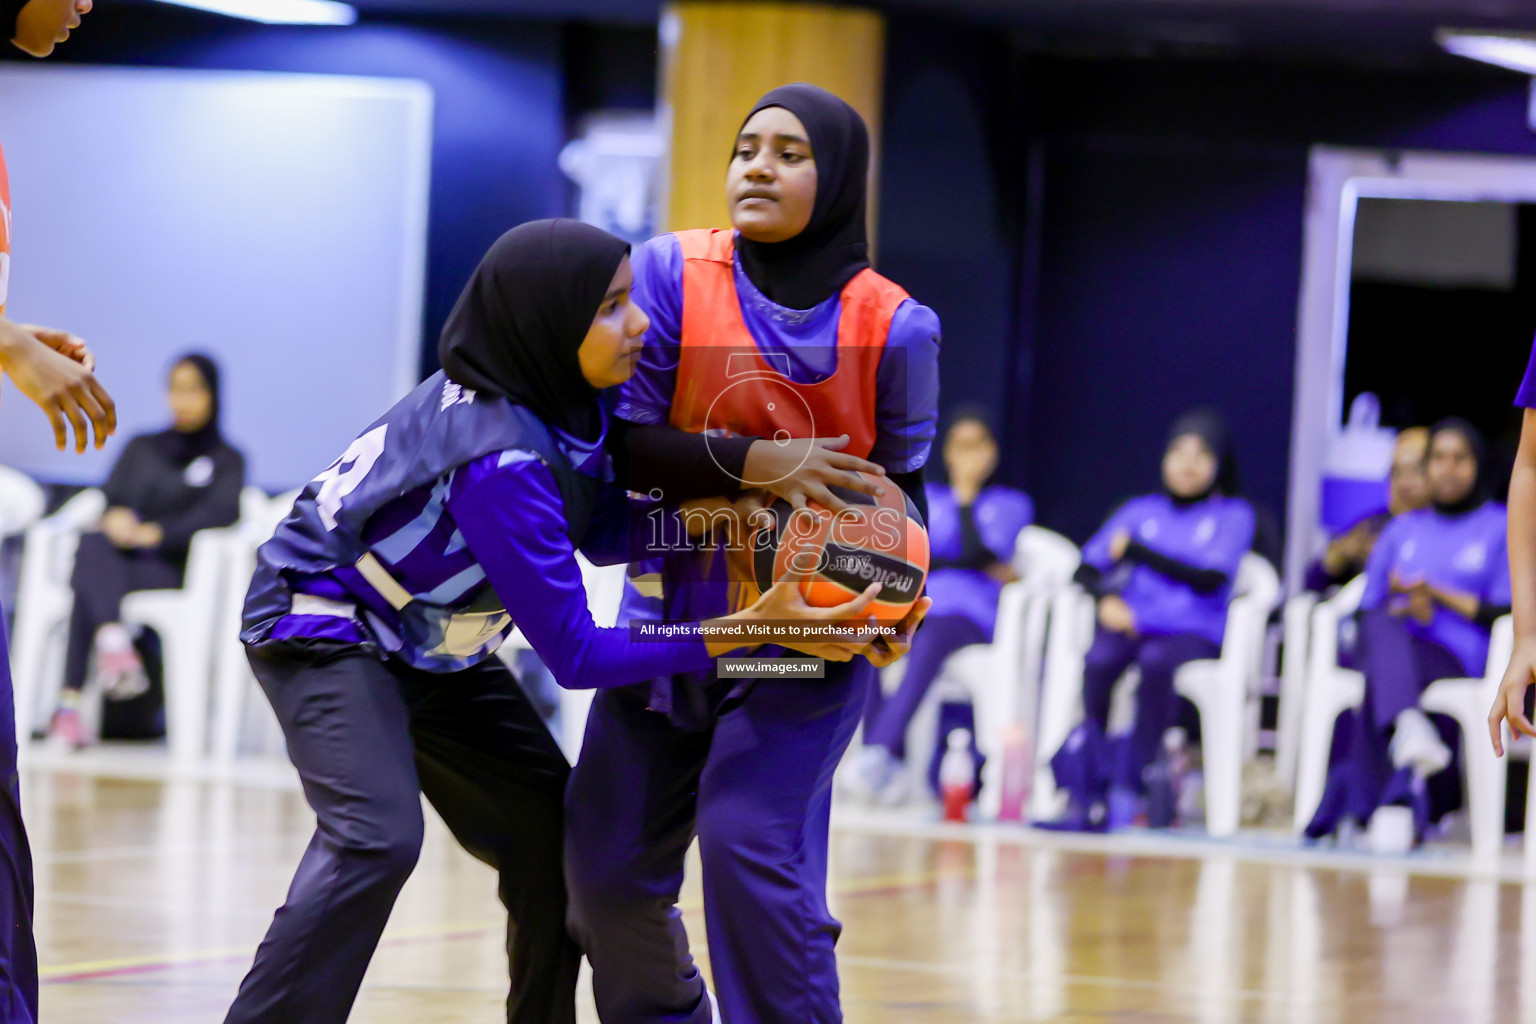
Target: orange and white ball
x=878, y=539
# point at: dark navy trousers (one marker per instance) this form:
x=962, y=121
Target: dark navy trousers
x=1157, y=705
x=369, y=738
x=18, y=951
x=1398, y=667
x=754, y=782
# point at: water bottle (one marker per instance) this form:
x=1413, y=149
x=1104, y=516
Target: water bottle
x=1018, y=774
x=957, y=775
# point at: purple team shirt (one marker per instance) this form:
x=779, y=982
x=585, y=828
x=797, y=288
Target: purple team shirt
x=1465, y=553
x=1212, y=534
x=804, y=344
x=1001, y=514
x=804, y=341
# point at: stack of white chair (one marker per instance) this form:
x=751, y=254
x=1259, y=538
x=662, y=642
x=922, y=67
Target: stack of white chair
x=188, y=619
x=1224, y=690
x=43, y=604
x=21, y=502
x=1467, y=702
x=237, y=698
x=1329, y=690
x=1297, y=624
x=1001, y=679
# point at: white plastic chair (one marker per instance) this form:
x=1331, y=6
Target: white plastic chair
x=1224, y=690
x=1329, y=691
x=21, y=501
x=1061, y=692
x=186, y=620
x=1297, y=625
x=1002, y=678
x=1467, y=701
x=236, y=692
x=43, y=604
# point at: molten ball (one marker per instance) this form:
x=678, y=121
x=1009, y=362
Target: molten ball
x=876, y=540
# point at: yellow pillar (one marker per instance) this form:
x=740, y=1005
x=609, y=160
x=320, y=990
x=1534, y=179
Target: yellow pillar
x=719, y=56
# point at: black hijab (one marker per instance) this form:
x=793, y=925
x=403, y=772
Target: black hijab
x=804, y=271
x=523, y=315
x=1477, y=495
x=1209, y=426
x=10, y=11
x=183, y=446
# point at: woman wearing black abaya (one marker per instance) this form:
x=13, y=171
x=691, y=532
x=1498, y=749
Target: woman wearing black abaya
x=778, y=330
x=163, y=489
x=375, y=612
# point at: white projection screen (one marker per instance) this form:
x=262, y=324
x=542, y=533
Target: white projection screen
x=277, y=222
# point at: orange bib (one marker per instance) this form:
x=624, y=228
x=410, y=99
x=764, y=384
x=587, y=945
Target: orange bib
x=725, y=383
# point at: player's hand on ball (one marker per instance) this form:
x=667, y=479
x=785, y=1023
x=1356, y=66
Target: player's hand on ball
x=889, y=650
x=802, y=470
x=783, y=602
x=1509, y=705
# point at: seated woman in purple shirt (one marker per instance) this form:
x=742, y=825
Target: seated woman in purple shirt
x=1436, y=582
x=973, y=528
x=1162, y=569
x=376, y=610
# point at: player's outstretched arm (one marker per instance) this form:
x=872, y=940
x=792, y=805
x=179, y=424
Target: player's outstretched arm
x=54, y=369
x=1509, y=705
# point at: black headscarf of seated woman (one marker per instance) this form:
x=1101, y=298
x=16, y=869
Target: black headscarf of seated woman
x=1477, y=494
x=181, y=447
x=520, y=320
x=1211, y=428
x=804, y=271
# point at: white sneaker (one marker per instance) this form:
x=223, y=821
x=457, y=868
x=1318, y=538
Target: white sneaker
x=1417, y=744
x=1390, y=831
x=714, y=1007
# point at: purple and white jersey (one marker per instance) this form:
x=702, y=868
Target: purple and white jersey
x=451, y=566
x=1001, y=515
x=804, y=342
x=1465, y=553
x=1211, y=534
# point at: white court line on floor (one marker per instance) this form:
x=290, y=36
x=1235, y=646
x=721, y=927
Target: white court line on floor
x=1282, y=849
x=1275, y=849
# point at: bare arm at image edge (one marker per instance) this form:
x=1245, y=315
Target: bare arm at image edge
x=1509, y=706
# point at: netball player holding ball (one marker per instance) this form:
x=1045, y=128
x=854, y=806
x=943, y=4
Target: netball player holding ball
x=762, y=339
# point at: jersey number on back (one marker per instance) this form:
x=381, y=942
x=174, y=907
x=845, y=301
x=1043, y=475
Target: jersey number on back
x=342, y=476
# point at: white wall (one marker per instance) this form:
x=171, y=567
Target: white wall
x=277, y=222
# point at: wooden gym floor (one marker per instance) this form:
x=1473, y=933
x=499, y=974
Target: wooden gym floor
x=152, y=895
